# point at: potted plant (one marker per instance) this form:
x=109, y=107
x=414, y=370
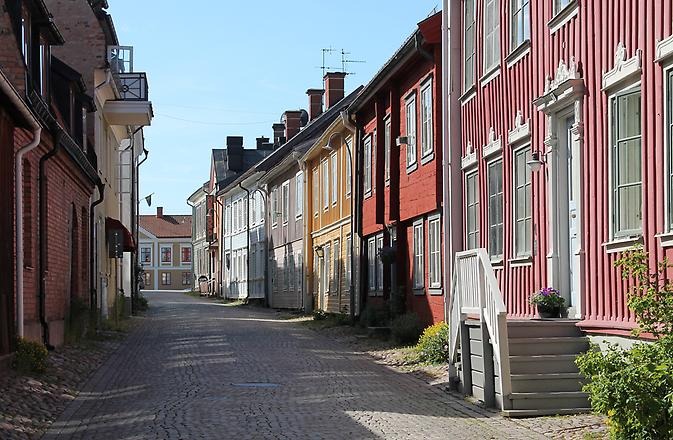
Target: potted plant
x=548, y=302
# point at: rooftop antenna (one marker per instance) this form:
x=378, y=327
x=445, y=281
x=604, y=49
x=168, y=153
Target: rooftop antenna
x=324, y=66
x=345, y=61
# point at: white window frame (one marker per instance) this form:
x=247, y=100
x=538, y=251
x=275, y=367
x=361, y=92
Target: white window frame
x=668, y=140
x=527, y=186
x=418, y=260
x=274, y=207
x=412, y=142
x=325, y=184
x=496, y=257
x=427, y=121
x=379, y=265
x=435, y=252
x=349, y=253
x=349, y=167
x=299, y=197
x=520, y=23
x=469, y=57
x=315, y=184
x=327, y=266
x=492, y=35
x=617, y=234
x=168, y=277
x=191, y=254
x=285, y=208
x=472, y=237
x=368, y=165
x=161, y=258
x=386, y=148
x=336, y=263
x=334, y=169
x=148, y=263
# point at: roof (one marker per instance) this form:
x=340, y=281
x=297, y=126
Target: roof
x=223, y=175
x=167, y=226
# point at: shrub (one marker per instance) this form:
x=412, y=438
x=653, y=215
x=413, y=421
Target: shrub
x=30, y=357
x=406, y=328
x=140, y=303
x=433, y=346
x=375, y=316
x=319, y=315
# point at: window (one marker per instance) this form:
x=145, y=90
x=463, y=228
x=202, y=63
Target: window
x=165, y=278
x=325, y=184
x=349, y=256
x=166, y=255
x=349, y=168
x=336, y=269
x=469, y=49
x=253, y=208
x=371, y=264
x=316, y=192
x=411, y=132
x=491, y=34
x=146, y=255
x=299, y=188
x=147, y=279
x=520, y=22
x=44, y=71
x=626, y=164
x=427, y=142
x=228, y=219
x=327, y=265
x=560, y=5
x=368, y=166
x=335, y=177
x=495, y=208
x=26, y=34
x=274, y=207
x=435, y=251
x=286, y=202
x=379, y=264
x=299, y=272
x=523, y=218
x=472, y=211
x=670, y=148
x=386, y=150
x=186, y=278
x=417, y=274
x=186, y=255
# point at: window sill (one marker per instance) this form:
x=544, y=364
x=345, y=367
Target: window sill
x=497, y=262
x=664, y=50
x=411, y=168
x=526, y=260
x=468, y=95
x=518, y=54
x=665, y=239
x=419, y=291
x=368, y=194
x=436, y=291
x=490, y=75
x=563, y=16
x=622, y=244
x=429, y=157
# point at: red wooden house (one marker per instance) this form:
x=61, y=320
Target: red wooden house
x=565, y=137
x=398, y=118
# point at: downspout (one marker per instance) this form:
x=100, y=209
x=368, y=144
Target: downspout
x=133, y=209
x=247, y=253
x=446, y=158
x=346, y=121
x=135, y=219
x=42, y=215
x=93, y=303
x=37, y=133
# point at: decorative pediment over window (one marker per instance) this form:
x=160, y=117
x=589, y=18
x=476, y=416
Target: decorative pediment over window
x=664, y=50
x=623, y=70
x=521, y=131
x=493, y=146
x=470, y=158
x=561, y=90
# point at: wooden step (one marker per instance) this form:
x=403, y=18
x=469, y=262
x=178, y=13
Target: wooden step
x=561, y=400
x=540, y=328
x=534, y=383
x=543, y=364
x=548, y=345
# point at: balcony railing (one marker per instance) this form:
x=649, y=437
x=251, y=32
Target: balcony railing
x=132, y=86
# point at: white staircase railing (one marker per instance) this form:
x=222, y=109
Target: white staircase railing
x=475, y=294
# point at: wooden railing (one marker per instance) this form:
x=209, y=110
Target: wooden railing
x=475, y=295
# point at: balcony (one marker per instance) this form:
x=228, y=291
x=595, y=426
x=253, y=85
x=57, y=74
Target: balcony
x=133, y=107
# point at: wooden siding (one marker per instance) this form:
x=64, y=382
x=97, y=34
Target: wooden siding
x=591, y=38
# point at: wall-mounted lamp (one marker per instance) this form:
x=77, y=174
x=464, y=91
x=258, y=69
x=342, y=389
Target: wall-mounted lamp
x=402, y=140
x=328, y=145
x=319, y=251
x=535, y=163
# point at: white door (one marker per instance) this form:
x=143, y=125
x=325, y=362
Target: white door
x=573, y=244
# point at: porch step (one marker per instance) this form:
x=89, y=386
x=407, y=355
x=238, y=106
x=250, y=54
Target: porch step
x=550, y=382
x=541, y=328
x=548, y=345
x=543, y=412
x=542, y=364
x=557, y=401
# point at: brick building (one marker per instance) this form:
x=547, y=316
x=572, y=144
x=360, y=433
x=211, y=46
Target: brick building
x=165, y=251
x=398, y=118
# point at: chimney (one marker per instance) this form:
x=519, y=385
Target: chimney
x=278, y=133
x=263, y=143
x=334, y=86
x=292, y=120
x=314, y=103
x=235, y=153
x=160, y=212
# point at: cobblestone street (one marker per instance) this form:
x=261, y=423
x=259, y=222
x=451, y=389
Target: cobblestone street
x=196, y=369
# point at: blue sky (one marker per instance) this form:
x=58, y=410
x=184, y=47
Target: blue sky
x=230, y=68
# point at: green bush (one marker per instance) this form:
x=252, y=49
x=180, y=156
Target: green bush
x=30, y=357
x=406, y=328
x=433, y=346
x=375, y=316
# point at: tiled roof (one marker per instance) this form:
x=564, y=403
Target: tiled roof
x=168, y=226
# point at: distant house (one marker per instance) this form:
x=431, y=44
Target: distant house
x=200, y=259
x=165, y=251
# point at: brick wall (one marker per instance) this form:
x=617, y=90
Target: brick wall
x=11, y=61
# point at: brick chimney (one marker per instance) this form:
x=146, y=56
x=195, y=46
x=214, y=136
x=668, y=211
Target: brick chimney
x=292, y=120
x=160, y=212
x=334, y=86
x=314, y=103
x=278, y=133
x=263, y=143
x=235, y=153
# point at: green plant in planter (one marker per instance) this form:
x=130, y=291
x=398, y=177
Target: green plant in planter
x=548, y=302
x=30, y=357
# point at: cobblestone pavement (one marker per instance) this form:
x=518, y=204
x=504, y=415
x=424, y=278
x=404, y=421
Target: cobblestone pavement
x=195, y=369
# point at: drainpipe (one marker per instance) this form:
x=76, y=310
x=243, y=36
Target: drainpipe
x=247, y=253
x=135, y=220
x=37, y=133
x=42, y=215
x=92, y=277
x=133, y=209
x=346, y=121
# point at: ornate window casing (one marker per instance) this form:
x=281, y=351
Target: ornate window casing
x=664, y=56
x=624, y=71
x=519, y=139
x=493, y=147
x=472, y=236
x=470, y=158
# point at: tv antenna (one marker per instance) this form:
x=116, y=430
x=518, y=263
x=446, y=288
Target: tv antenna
x=345, y=61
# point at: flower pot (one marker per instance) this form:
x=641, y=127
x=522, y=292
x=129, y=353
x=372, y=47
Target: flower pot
x=548, y=312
